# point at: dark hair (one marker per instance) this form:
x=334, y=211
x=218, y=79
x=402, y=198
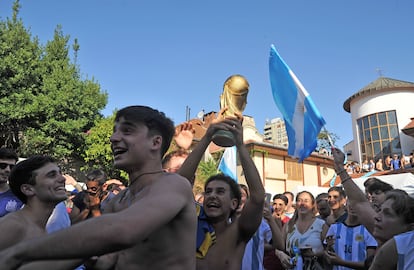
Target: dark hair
x=97, y=175
x=246, y=189
x=154, y=120
x=305, y=192
x=340, y=190
x=370, y=181
x=290, y=193
x=8, y=153
x=281, y=197
x=402, y=204
x=170, y=155
x=234, y=187
x=23, y=173
x=322, y=196
x=379, y=185
x=295, y=217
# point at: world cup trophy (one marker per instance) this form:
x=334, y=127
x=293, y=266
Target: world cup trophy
x=234, y=98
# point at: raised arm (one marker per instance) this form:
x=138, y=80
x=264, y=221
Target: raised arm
x=366, y=213
x=189, y=167
x=252, y=212
x=276, y=229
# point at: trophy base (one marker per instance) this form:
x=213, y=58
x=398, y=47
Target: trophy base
x=224, y=138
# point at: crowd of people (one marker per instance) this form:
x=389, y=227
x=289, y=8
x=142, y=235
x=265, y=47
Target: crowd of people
x=157, y=222
x=391, y=162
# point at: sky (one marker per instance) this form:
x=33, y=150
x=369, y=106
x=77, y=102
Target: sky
x=174, y=55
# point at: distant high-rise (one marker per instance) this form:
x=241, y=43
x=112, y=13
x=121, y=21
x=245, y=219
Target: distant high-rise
x=275, y=132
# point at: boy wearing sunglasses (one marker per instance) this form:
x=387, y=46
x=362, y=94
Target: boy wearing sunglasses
x=8, y=201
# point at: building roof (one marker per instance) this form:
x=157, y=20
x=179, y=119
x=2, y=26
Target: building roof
x=409, y=129
x=382, y=83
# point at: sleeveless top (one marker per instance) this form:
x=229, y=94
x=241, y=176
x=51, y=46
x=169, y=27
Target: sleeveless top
x=310, y=238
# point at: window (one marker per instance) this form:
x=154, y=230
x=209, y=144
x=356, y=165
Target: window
x=294, y=169
x=378, y=135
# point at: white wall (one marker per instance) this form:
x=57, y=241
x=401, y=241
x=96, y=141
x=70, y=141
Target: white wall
x=399, y=100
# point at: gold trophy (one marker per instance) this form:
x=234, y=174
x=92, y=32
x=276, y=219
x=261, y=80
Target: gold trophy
x=234, y=98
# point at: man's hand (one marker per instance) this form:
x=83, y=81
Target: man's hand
x=220, y=115
x=339, y=159
x=70, y=180
x=332, y=257
x=184, y=134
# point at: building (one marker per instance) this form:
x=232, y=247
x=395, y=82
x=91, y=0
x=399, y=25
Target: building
x=279, y=172
x=382, y=119
x=275, y=132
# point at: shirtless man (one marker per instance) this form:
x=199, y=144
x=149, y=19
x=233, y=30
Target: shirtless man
x=153, y=221
x=39, y=184
x=222, y=198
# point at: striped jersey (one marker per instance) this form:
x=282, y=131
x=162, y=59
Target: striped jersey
x=351, y=242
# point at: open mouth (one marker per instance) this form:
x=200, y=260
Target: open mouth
x=118, y=151
x=213, y=205
x=63, y=189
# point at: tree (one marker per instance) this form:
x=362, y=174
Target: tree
x=204, y=171
x=20, y=78
x=97, y=152
x=324, y=138
x=46, y=107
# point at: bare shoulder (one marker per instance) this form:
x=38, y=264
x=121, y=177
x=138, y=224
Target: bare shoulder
x=13, y=222
x=16, y=229
x=161, y=220
x=168, y=191
x=168, y=180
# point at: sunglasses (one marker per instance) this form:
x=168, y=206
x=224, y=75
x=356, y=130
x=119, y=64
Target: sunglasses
x=4, y=165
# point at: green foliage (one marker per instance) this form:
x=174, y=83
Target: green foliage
x=206, y=169
x=98, y=153
x=323, y=140
x=45, y=105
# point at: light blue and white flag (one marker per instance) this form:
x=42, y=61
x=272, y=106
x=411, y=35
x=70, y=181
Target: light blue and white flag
x=333, y=180
x=302, y=119
x=228, y=162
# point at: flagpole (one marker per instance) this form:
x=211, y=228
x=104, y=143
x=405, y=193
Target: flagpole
x=332, y=144
x=329, y=137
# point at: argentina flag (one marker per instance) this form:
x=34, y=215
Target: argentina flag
x=302, y=119
x=228, y=162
